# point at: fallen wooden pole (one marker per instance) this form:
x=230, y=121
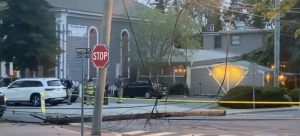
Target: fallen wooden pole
x=77, y=119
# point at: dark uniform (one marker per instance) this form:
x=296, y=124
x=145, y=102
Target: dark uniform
x=90, y=88
x=119, y=84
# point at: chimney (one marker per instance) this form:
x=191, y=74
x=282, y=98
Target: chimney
x=211, y=28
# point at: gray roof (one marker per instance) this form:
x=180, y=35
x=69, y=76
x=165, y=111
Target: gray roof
x=95, y=6
x=247, y=63
x=201, y=55
x=239, y=31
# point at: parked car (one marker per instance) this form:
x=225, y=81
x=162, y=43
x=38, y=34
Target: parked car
x=2, y=104
x=25, y=90
x=75, y=90
x=142, y=89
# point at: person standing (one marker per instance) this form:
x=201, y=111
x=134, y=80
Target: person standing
x=106, y=91
x=90, y=89
x=69, y=84
x=119, y=84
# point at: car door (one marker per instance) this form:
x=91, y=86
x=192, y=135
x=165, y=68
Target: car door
x=143, y=88
x=130, y=89
x=29, y=87
x=11, y=93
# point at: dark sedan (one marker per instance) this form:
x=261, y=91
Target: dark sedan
x=142, y=89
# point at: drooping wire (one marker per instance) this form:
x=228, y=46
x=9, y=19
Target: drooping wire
x=149, y=78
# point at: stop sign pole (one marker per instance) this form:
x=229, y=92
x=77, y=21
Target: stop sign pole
x=101, y=72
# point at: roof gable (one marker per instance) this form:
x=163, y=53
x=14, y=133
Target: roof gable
x=95, y=6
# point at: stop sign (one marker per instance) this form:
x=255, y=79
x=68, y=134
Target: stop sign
x=100, y=56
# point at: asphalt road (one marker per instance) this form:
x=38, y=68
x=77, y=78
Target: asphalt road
x=22, y=112
x=262, y=124
x=277, y=123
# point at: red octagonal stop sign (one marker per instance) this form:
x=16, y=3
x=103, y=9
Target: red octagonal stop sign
x=100, y=56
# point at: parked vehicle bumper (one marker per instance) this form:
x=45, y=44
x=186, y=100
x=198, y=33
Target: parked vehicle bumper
x=3, y=108
x=55, y=100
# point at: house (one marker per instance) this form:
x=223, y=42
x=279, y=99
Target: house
x=240, y=41
x=78, y=26
x=205, y=68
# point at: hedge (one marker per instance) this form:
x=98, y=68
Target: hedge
x=294, y=94
x=179, y=89
x=245, y=93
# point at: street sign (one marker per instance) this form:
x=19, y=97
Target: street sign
x=43, y=107
x=83, y=50
x=79, y=55
x=100, y=56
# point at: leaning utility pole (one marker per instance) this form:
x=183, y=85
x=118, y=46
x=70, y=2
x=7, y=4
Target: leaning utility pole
x=277, y=46
x=101, y=73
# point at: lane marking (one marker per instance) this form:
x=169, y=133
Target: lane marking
x=135, y=132
x=160, y=134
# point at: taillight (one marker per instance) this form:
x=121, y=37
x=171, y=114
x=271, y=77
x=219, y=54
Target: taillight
x=49, y=89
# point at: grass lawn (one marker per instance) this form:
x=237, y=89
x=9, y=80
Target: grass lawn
x=219, y=107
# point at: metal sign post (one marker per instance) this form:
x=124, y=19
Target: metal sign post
x=253, y=68
x=43, y=107
x=82, y=53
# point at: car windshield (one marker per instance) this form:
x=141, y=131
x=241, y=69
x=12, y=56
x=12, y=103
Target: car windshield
x=54, y=83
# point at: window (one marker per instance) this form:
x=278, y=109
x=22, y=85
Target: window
x=218, y=42
x=54, y=83
x=235, y=40
x=31, y=84
x=16, y=84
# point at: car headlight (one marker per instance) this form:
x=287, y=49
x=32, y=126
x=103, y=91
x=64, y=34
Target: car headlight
x=5, y=99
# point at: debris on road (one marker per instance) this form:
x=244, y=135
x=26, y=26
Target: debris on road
x=77, y=119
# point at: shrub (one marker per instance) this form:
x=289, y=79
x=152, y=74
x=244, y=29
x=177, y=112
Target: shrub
x=294, y=94
x=245, y=93
x=179, y=89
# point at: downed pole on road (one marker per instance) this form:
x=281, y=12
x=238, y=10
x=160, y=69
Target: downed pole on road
x=77, y=119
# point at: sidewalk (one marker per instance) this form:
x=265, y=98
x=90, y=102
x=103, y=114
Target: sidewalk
x=243, y=111
x=22, y=129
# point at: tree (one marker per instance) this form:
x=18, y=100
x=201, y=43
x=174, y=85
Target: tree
x=155, y=34
x=242, y=10
x=283, y=8
x=289, y=45
x=28, y=34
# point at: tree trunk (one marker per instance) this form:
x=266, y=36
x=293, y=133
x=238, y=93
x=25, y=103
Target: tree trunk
x=67, y=120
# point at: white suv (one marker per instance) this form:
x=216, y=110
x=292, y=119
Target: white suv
x=29, y=89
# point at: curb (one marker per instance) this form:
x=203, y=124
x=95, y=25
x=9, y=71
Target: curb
x=78, y=124
x=259, y=111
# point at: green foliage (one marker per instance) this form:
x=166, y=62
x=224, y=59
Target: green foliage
x=243, y=11
x=155, y=34
x=282, y=9
x=179, y=89
x=2, y=5
x=294, y=94
x=245, y=93
x=28, y=34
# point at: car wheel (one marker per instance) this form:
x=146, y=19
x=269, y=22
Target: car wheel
x=35, y=100
x=73, y=100
x=1, y=114
x=148, y=95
